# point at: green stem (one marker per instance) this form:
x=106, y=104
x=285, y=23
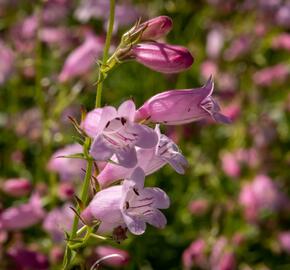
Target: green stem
x=106, y=53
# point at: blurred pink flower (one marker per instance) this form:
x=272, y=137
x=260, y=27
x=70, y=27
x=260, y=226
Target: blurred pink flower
x=17, y=187
x=6, y=63
x=194, y=255
x=22, y=216
x=284, y=241
x=161, y=57
x=66, y=190
x=55, y=11
x=214, y=42
x=123, y=260
x=57, y=221
x=208, y=68
x=262, y=194
x=82, y=59
x=282, y=41
x=198, y=207
x=269, y=75
x=69, y=169
x=238, y=47
x=233, y=111
x=283, y=15
x=26, y=259
x=125, y=13
x=230, y=165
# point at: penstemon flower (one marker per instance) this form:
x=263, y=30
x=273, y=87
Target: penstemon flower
x=150, y=160
x=161, y=57
x=117, y=134
x=128, y=205
x=177, y=107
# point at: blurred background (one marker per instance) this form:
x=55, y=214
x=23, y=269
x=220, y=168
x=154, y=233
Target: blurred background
x=229, y=211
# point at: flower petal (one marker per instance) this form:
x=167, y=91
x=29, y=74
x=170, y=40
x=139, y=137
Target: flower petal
x=138, y=177
x=160, y=198
x=156, y=218
x=127, y=157
x=177, y=163
x=108, y=113
x=91, y=122
x=147, y=137
x=127, y=109
x=99, y=150
x=134, y=224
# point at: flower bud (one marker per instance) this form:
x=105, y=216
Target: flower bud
x=17, y=187
x=162, y=57
x=156, y=28
x=284, y=241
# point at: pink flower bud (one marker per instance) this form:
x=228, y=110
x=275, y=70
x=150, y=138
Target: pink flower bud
x=227, y=262
x=121, y=260
x=230, y=165
x=66, y=191
x=17, y=187
x=162, y=57
x=156, y=28
x=177, y=107
x=282, y=42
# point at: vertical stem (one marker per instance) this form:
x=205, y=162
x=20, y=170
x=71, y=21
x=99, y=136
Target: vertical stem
x=106, y=53
x=85, y=188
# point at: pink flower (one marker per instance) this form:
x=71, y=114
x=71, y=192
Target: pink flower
x=162, y=57
x=150, y=160
x=24, y=258
x=231, y=165
x=57, y=221
x=194, y=255
x=177, y=107
x=214, y=42
x=260, y=195
x=269, y=75
x=22, y=216
x=282, y=41
x=17, y=187
x=128, y=205
x=82, y=59
x=156, y=28
x=121, y=260
x=68, y=168
x=198, y=207
x=6, y=63
x=284, y=241
x=117, y=134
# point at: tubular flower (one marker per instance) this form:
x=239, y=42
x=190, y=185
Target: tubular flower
x=150, y=160
x=177, y=107
x=162, y=57
x=129, y=205
x=118, y=134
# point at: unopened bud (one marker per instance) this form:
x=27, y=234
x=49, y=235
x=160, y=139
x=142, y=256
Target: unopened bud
x=17, y=187
x=156, y=28
x=162, y=57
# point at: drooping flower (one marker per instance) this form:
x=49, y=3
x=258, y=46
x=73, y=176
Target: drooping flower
x=156, y=28
x=82, y=59
x=150, y=160
x=128, y=205
x=68, y=168
x=177, y=107
x=161, y=57
x=118, y=134
x=22, y=216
